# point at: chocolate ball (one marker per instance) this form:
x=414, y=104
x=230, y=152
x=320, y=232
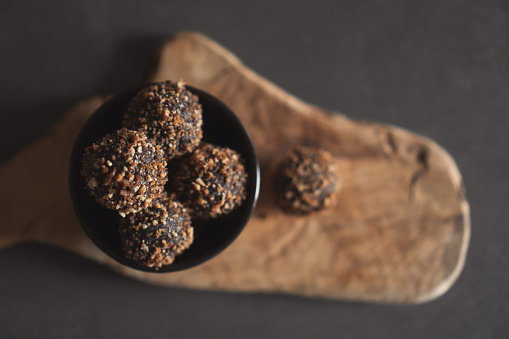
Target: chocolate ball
x=168, y=113
x=124, y=171
x=211, y=181
x=307, y=181
x=155, y=236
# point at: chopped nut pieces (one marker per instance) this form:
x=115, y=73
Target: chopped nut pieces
x=169, y=114
x=155, y=236
x=307, y=181
x=120, y=178
x=211, y=181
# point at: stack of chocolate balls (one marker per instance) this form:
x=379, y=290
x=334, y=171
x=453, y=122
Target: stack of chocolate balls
x=127, y=171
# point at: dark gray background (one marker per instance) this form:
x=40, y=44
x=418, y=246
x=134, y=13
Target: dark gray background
x=439, y=68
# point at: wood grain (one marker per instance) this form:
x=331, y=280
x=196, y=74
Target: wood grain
x=399, y=232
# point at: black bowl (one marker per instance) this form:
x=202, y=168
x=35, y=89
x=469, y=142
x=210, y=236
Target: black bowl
x=220, y=127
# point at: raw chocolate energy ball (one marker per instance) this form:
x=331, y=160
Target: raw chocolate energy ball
x=211, y=181
x=155, y=236
x=168, y=113
x=124, y=172
x=307, y=181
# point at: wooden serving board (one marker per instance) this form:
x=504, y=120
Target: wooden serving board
x=399, y=232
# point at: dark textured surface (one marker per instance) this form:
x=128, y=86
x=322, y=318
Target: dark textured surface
x=439, y=68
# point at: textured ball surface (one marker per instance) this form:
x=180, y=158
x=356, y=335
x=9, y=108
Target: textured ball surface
x=155, y=236
x=168, y=113
x=307, y=181
x=211, y=181
x=124, y=171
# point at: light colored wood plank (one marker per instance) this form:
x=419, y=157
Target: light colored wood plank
x=399, y=232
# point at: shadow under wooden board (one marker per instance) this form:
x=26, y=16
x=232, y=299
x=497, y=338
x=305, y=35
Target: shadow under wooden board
x=399, y=231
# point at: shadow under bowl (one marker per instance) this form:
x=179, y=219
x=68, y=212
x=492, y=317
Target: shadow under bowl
x=220, y=127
